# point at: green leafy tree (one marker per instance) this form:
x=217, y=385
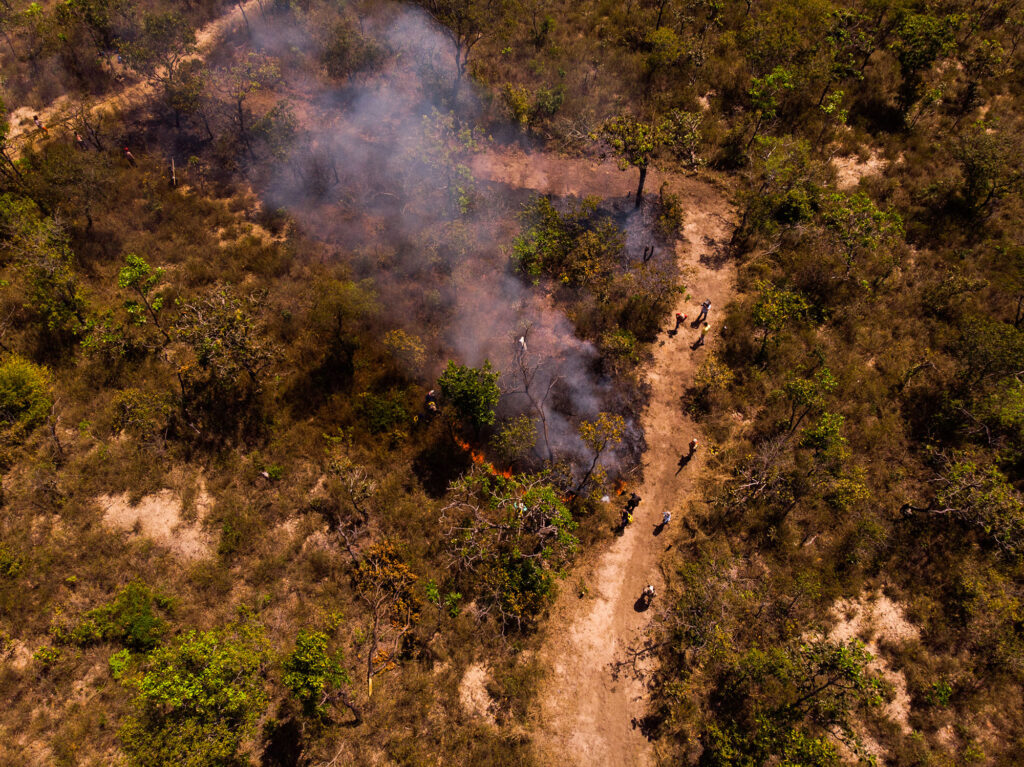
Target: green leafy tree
x=765, y=95
x=530, y=106
x=199, y=698
x=849, y=46
x=774, y=309
x=447, y=149
x=781, y=704
x=508, y=536
x=515, y=439
x=25, y=398
x=187, y=93
x=989, y=168
x=784, y=189
x=103, y=20
x=918, y=40
x=346, y=51
x=825, y=435
x=143, y=281
x=42, y=249
x=712, y=379
x=314, y=674
x=598, y=435
x=466, y=23
x=406, y=350
x=635, y=143
x=276, y=129
x=989, y=351
x=578, y=248
x=980, y=498
x=224, y=352
x=806, y=395
x=682, y=136
x=254, y=73
x=473, y=392
x=863, y=231
x=163, y=44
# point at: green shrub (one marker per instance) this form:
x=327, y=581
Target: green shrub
x=141, y=414
x=10, y=564
x=47, y=656
x=119, y=663
x=346, y=51
x=670, y=216
x=25, y=398
x=198, y=699
x=311, y=672
x=473, y=392
x=576, y=248
x=128, y=620
x=383, y=413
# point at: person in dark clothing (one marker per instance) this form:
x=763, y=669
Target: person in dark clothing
x=704, y=310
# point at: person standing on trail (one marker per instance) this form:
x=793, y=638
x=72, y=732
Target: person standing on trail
x=680, y=319
x=39, y=124
x=666, y=517
x=692, y=447
x=704, y=310
x=633, y=502
x=703, y=335
x=129, y=157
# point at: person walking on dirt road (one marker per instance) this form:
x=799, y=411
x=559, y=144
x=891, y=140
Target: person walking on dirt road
x=680, y=319
x=704, y=310
x=703, y=335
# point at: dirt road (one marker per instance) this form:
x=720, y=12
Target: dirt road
x=588, y=712
x=59, y=113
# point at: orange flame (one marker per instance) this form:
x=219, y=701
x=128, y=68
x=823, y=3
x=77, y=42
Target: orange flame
x=479, y=460
x=620, y=487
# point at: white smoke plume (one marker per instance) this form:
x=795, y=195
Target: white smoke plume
x=378, y=171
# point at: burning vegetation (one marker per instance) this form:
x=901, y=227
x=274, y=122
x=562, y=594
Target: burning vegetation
x=357, y=285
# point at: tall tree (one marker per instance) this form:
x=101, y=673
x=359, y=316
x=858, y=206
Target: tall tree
x=466, y=23
x=635, y=143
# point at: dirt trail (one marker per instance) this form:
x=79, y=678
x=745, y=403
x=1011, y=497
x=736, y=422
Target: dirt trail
x=60, y=111
x=587, y=711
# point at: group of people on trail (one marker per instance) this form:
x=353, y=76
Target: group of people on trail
x=701, y=317
x=647, y=595
x=627, y=516
x=127, y=153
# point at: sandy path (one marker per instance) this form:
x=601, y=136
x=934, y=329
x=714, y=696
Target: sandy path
x=59, y=113
x=587, y=711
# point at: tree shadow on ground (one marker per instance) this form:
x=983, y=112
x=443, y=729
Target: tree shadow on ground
x=439, y=463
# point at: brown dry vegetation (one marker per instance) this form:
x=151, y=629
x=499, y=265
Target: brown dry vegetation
x=215, y=441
